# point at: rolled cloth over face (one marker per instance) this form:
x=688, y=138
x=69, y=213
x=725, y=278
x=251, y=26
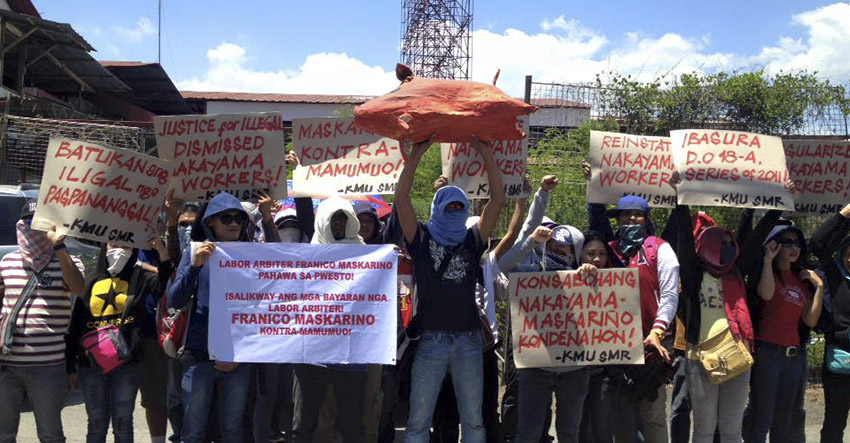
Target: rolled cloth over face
x=568, y=236
x=448, y=226
x=719, y=260
x=451, y=110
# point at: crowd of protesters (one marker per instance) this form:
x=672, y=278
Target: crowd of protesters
x=698, y=281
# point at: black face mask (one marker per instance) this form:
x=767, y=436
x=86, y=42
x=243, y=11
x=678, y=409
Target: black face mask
x=727, y=254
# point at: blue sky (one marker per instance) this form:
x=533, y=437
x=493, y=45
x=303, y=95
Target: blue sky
x=351, y=46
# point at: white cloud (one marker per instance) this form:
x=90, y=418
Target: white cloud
x=144, y=27
x=323, y=73
x=824, y=49
x=562, y=51
x=569, y=52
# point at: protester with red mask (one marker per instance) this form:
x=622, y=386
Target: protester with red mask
x=713, y=302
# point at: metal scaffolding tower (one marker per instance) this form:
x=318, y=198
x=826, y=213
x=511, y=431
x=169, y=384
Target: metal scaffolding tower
x=436, y=38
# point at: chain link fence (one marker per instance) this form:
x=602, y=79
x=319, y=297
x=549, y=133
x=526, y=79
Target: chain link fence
x=827, y=122
x=24, y=143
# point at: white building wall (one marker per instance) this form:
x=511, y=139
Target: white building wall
x=547, y=117
x=560, y=117
x=288, y=110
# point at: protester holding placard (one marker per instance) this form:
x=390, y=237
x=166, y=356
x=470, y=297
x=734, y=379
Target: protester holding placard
x=114, y=302
x=273, y=405
x=336, y=223
x=222, y=220
x=446, y=263
x=557, y=250
x=603, y=387
x=156, y=364
x=36, y=283
x=831, y=245
x=714, y=308
x=510, y=398
x=180, y=220
x=789, y=294
x=635, y=245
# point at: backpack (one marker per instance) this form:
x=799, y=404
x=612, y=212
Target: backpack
x=172, y=325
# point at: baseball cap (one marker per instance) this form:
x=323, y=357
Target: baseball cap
x=629, y=203
x=29, y=209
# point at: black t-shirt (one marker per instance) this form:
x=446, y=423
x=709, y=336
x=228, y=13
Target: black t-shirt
x=447, y=302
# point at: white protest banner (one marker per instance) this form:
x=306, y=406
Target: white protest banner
x=624, y=164
x=818, y=169
x=464, y=168
x=303, y=303
x=561, y=318
x=241, y=154
x=338, y=158
x=99, y=193
x=731, y=168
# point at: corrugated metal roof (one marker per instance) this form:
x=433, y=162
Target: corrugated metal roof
x=557, y=103
x=332, y=99
x=23, y=7
x=277, y=98
x=151, y=87
x=52, y=40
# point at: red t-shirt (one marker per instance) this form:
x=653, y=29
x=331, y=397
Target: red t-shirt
x=780, y=316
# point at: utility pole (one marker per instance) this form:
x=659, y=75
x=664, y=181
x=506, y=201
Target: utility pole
x=159, y=34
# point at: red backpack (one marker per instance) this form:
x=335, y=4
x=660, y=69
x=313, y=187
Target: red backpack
x=172, y=325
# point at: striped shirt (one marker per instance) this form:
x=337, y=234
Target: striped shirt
x=43, y=321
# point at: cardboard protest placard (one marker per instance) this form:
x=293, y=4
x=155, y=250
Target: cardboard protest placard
x=338, y=158
x=731, y=168
x=303, y=303
x=241, y=154
x=94, y=192
x=624, y=164
x=561, y=318
x=464, y=168
x=818, y=169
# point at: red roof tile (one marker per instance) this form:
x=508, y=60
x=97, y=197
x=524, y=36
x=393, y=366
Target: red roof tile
x=331, y=99
x=277, y=98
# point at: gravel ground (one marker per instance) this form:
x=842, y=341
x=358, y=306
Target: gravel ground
x=74, y=420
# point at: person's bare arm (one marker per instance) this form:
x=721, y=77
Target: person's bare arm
x=767, y=284
x=812, y=313
x=71, y=274
x=172, y=238
x=401, y=201
x=513, y=229
x=490, y=215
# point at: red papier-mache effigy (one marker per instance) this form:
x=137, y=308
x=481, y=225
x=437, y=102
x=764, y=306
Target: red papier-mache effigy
x=450, y=110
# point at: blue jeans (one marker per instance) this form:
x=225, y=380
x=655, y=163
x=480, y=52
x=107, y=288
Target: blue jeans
x=535, y=398
x=460, y=354
x=174, y=398
x=110, y=398
x=45, y=387
x=199, y=380
x=774, y=388
x=680, y=407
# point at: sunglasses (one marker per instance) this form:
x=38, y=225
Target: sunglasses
x=184, y=224
x=226, y=219
x=788, y=243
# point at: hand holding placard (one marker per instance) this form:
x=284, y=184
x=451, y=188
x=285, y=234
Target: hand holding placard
x=730, y=168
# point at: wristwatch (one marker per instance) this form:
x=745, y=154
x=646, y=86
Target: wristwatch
x=659, y=333
x=59, y=247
